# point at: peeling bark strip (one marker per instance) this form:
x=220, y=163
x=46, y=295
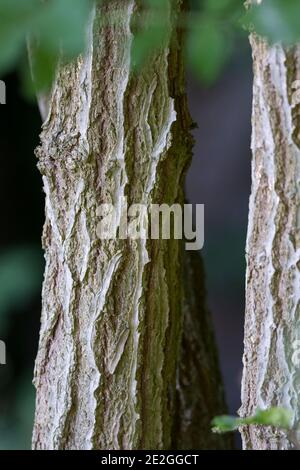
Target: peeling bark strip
x=111, y=320
x=272, y=328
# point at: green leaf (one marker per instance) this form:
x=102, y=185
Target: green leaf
x=151, y=32
x=225, y=423
x=60, y=33
x=58, y=27
x=16, y=19
x=62, y=26
x=276, y=416
x=207, y=50
x=277, y=20
x=162, y=5
x=145, y=43
x=221, y=7
x=43, y=67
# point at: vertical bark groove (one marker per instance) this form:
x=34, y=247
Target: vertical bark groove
x=200, y=395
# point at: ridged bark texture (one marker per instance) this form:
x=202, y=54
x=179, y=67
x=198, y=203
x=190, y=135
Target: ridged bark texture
x=200, y=394
x=272, y=326
x=112, y=317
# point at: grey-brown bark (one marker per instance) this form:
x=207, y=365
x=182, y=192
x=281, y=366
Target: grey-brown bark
x=200, y=395
x=112, y=315
x=272, y=327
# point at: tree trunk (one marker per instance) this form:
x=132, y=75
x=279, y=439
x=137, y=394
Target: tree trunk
x=272, y=327
x=200, y=395
x=112, y=312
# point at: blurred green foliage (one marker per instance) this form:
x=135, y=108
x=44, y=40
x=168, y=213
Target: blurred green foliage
x=276, y=416
x=21, y=271
x=57, y=31
x=55, y=27
x=150, y=30
x=212, y=31
x=20, y=279
x=278, y=20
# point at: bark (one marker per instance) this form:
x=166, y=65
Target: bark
x=200, y=394
x=272, y=326
x=112, y=314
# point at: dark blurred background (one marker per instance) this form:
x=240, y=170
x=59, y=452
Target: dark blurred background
x=219, y=178
x=21, y=263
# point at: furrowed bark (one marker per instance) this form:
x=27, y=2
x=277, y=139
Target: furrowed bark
x=112, y=317
x=200, y=395
x=272, y=326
